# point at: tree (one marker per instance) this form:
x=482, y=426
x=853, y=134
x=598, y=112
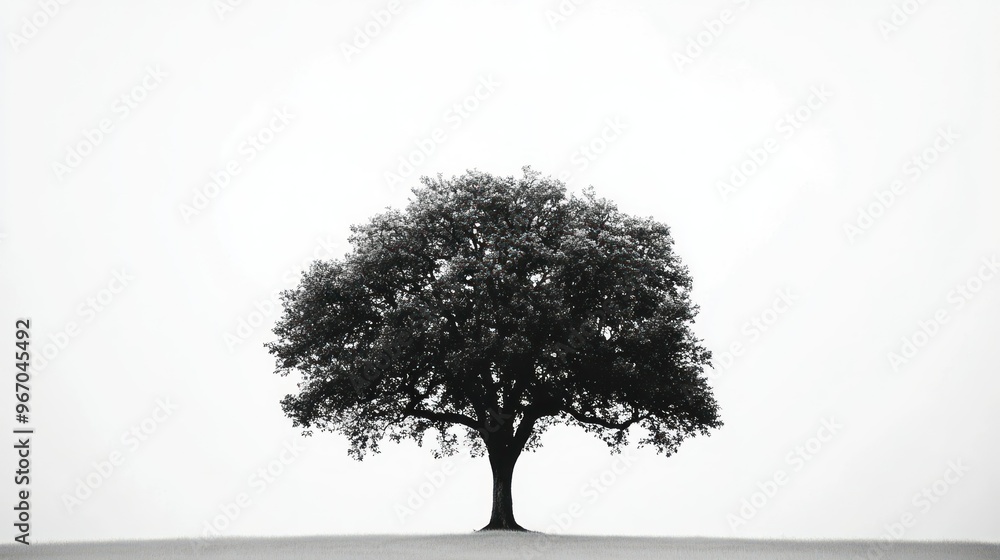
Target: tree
x=489, y=310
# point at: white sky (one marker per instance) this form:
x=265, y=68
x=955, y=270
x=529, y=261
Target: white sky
x=163, y=335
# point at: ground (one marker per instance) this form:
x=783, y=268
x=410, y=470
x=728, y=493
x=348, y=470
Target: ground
x=507, y=546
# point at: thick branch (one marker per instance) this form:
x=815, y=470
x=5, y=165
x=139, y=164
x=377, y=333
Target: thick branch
x=449, y=417
x=591, y=419
x=524, y=429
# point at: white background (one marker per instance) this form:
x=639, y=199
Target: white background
x=355, y=113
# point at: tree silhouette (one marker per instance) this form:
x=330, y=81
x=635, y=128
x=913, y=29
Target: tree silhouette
x=488, y=310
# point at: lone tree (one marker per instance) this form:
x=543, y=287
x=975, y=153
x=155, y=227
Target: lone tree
x=488, y=310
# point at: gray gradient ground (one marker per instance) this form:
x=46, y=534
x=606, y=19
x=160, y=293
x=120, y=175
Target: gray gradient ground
x=506, y=546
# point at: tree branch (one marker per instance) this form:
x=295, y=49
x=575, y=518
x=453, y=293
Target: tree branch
x=449, y=417
x=591, y=419
x=524, y=429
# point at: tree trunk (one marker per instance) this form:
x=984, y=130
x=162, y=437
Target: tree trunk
x=502, y=517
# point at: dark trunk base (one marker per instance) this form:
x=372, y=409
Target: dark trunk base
x=504, y=527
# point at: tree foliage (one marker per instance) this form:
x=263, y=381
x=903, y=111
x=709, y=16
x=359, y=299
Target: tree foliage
x=500, y=305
